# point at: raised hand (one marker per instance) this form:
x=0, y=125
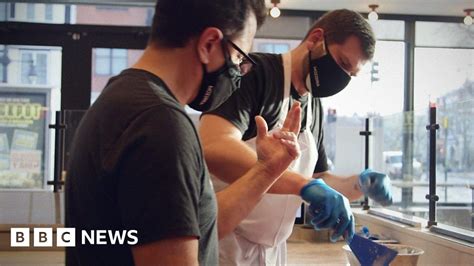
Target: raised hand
x=278, y=150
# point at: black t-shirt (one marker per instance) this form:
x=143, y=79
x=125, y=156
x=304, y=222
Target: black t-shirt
x=261, y=93
x=137, y=164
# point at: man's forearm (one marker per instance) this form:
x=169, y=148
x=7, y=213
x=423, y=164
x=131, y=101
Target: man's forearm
x=346, y=185
x=229, y=159
x=237, y=200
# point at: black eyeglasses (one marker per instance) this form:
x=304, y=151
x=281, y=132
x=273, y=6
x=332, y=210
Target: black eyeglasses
x=246, y=63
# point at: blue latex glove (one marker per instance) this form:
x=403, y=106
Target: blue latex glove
x=329, y=209
x=377, y=186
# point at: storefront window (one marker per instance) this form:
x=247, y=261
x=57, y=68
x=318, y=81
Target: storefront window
x=118, y=15
x=444, y=75
x=29, y=95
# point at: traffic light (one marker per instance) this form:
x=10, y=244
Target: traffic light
x=374, y=72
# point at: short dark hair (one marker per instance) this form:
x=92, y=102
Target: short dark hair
x=340, y=24
x=177, y=21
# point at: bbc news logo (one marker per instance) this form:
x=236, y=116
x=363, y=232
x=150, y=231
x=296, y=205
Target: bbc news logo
x=66, y=237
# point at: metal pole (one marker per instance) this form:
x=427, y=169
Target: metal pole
x=58, y=151
x=366, y=134
x=432, y=197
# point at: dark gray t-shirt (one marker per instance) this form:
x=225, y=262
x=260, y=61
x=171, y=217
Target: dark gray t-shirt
x=261, y=93
x=137, y=164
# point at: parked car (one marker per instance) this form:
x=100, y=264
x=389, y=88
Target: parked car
x=393, y=165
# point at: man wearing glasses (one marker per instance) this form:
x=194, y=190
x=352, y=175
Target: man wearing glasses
x=335, y=48
x=137, y=163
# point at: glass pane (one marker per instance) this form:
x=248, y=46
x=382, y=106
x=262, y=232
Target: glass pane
x=274, y=46
x=281, y=48
x=34, y=12
x=265, y=48
x=41, y=68
x=343, y=144
x=378, y=88
x=3, y=11
x=108, y=62
x=34, y=66
x=102, y=66
x=26, y=68
x=119, y=60
x=400, y=150
x=12, y=10
x=441, y=34
x=452, y=74
x=26, y=110
x=30, y=12
x=389, y=29
x=78, y=14
x=113, y=15
x=48, y=12
x=455, y=160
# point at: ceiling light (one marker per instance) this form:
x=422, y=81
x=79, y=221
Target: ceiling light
x=373, y=16
x=468, y=17
x=275, y=11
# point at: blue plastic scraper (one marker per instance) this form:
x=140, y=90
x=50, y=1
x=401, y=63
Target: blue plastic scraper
x=370, y=253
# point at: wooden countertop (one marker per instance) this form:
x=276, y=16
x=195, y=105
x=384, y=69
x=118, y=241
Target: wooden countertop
x=300, y=252
x=316, y=253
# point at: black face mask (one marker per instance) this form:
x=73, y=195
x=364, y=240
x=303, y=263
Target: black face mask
x=326, y=78
x=217, y=86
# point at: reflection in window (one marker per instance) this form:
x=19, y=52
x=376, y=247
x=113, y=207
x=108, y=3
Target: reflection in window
x=33, y=68
x=110, y=61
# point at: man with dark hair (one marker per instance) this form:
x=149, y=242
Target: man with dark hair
x=335, y=48
x=137, y=168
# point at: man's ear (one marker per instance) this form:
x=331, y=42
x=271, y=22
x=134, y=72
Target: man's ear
x=209, y=44
x=316, y=35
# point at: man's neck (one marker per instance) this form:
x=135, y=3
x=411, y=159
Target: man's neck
x=173, y=66
x=298, y=70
